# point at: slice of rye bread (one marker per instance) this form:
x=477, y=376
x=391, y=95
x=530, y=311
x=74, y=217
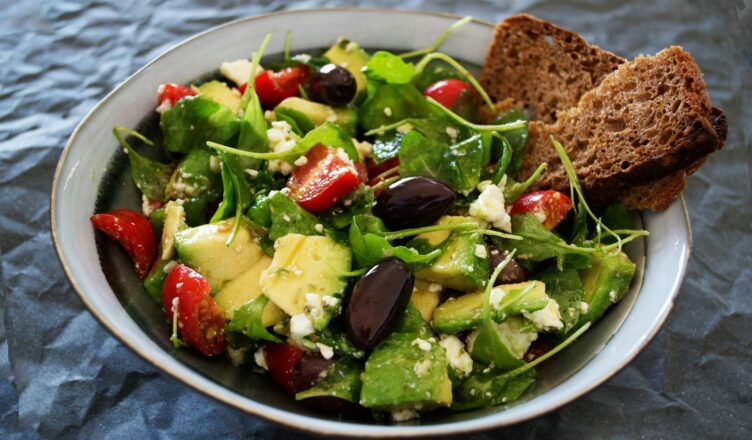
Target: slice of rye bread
x=547, y=69
x=636, y=134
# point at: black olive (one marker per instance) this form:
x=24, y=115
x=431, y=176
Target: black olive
x=413, y=202
x=512, y=272
x=333, y=85
x=309, y=371
x=338, y=406
x=377, y=302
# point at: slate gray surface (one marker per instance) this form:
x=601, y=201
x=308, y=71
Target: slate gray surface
x=62, y=375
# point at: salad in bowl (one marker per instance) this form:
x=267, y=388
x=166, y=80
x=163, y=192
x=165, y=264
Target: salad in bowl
x=349, y=223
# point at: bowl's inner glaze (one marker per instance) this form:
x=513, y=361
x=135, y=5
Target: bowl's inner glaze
x=118, y=191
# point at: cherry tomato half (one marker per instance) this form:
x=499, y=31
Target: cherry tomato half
x=378, y=171
x=325, y=178
x=281, y=360
x=549, y=206
x=201, y=322
x=273, y=87
x=134, y=232
x=173, y=93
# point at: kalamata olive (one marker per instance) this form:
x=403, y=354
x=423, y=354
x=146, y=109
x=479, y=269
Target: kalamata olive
x=512, y=272
x=342, y=407
x=377, y=302
x=413, y=202
x=309, y=371
x=333, y=85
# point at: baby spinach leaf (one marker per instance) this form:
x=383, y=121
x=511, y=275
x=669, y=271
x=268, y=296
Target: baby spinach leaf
x=194, y=177
x=332, y=136
x=390, y=103
x=538, y=243
x=490, y=387
x=421, y=156
x=193, y=121
x=300, y=123
x=281, y=216
x=434, y=73
x=565, y=287
x=517, y=138
x=370, y=248
x=237, y=192
x=615, y=217
x=247, y=321
x=386, y=146
x=387, y=67
x=360, y=202
x=252, y=130
x=150, y=176
x=342, y=381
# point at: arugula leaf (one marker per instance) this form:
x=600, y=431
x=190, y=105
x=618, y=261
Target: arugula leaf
x=193, y=121
x=390, y=103
x=150, y=176
x=281, y=216
x=490, y=387
x=342, y=381
x=386, y=146
x=247, y=320
x=370, y=248
x=387, y=67
x=565, y=287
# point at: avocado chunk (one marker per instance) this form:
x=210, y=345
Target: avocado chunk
x=460, y=266
x=426, y=296
x=194, y=177
x=220, y=93
x=306, y=276
x=406, y=372
x=464, y=312
x=244, y=289
x=342, y=381
x=318, y=114
x=205, y=249
x=502, y=345
x=604, y=283
x=174, y=222
x=351, y=56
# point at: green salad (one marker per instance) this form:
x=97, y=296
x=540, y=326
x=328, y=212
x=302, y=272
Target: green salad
x=352, y=224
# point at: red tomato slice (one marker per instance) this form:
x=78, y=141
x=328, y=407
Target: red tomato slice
x=134, y=232
x=273, y=87
x=549, y=206
x=173, y=93
x=201, y=322
x=375, y=170
x=281, y=360
x=325, y=178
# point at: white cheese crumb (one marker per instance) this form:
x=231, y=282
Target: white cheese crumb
x=238, y=71
x=404, y=128
x=302, y=57
x=146, y=206
x=584, y=307
x=435, y=287
x=612, y=296
x=286, y=218
x=260, y=358
x=169, y=266
x=300, y=326
x=302, y=160
x=365, y=148
x=547, y=318
x=280, y=139
x=236, y=356
x=330, y=301
x=452, y=133
x=388, y=111
x=164, y=106
x=422, y=344
x=326, y=351
x=422, y=367
x=319, y=228
x=489, y=206
x=480, y=251
x=252, y=173
x=403, y=415
x=332, y=117
x=497, y=294
x=270, y=116
x=214, y=164
x=457, y=356
x=314, y=305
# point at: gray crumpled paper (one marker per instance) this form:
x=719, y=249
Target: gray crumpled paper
x=62, y=375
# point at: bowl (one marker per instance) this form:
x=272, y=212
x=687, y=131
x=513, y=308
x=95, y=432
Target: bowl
x=92, y=175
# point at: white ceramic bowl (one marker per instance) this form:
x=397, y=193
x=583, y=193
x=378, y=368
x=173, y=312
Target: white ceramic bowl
x=601, y=352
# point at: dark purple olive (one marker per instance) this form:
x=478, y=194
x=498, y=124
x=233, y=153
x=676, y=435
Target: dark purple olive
x=309, y=371
x=413, y=202
x=338, y=406
x=512, y=272
x=333, y=85
x=378, y=301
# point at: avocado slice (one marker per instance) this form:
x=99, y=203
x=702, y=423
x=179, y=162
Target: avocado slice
x=604, y=283
x=245, y=288
x=173, y=221
x=426, y=296
x=220, y=93
x=464, y=312
x=502, y=345
x=460, y=266
x=351, y=56
x=305, y=265
x=204, y=249
x=406, y=372
x=318, y=114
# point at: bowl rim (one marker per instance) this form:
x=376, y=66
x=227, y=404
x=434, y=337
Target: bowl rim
x=322, y=426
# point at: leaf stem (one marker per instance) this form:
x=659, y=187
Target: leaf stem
x=498, y=128
x=468, y=226
x=489, y=285
x=255, y=61
x=447, y=32
x=459, y=68
x=385, y=128
x=493, y=233
x=519, y=370
x=254, y=154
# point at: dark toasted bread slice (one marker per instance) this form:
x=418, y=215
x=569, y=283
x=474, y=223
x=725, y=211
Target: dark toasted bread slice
x=542, y=66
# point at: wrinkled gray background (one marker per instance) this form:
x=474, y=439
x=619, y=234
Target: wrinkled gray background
x=62, y=375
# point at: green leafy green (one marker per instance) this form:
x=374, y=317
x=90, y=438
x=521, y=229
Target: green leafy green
x=155, y=280
x=194, y=177
x=514, y=190
x=387, y=67
x=490, y=387
x=359, y=201
x=615, y=217
x=334, y=336
x=390, y=103
x=247, y=321
x=517, y=138
x=369, y=248
x=434, y=73
x=252, y=131
x=237, y=193
x=342, y=380
x=565, y=287
x=386, y=146
x=300, y=123
x=150, y=176
x=193, y=121
x=332, y=136
x=281, y=216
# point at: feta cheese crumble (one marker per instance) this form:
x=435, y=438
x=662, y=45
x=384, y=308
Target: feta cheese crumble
x=403, y=415
x=300, y=326
x=302, y=160
x=480, y=251
x=452, y=133
x=365, y=149
x=584, y=307
x=326, y=351
x=260, y=358
x=547, y=318
x=280, y=139
x=422, y=344
x=319, y=228
x=388, y=111
x=489, y=206
x=612, y=296
x=422, y=367
x=236, y=357
x=457, y=356
x=238, y=71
